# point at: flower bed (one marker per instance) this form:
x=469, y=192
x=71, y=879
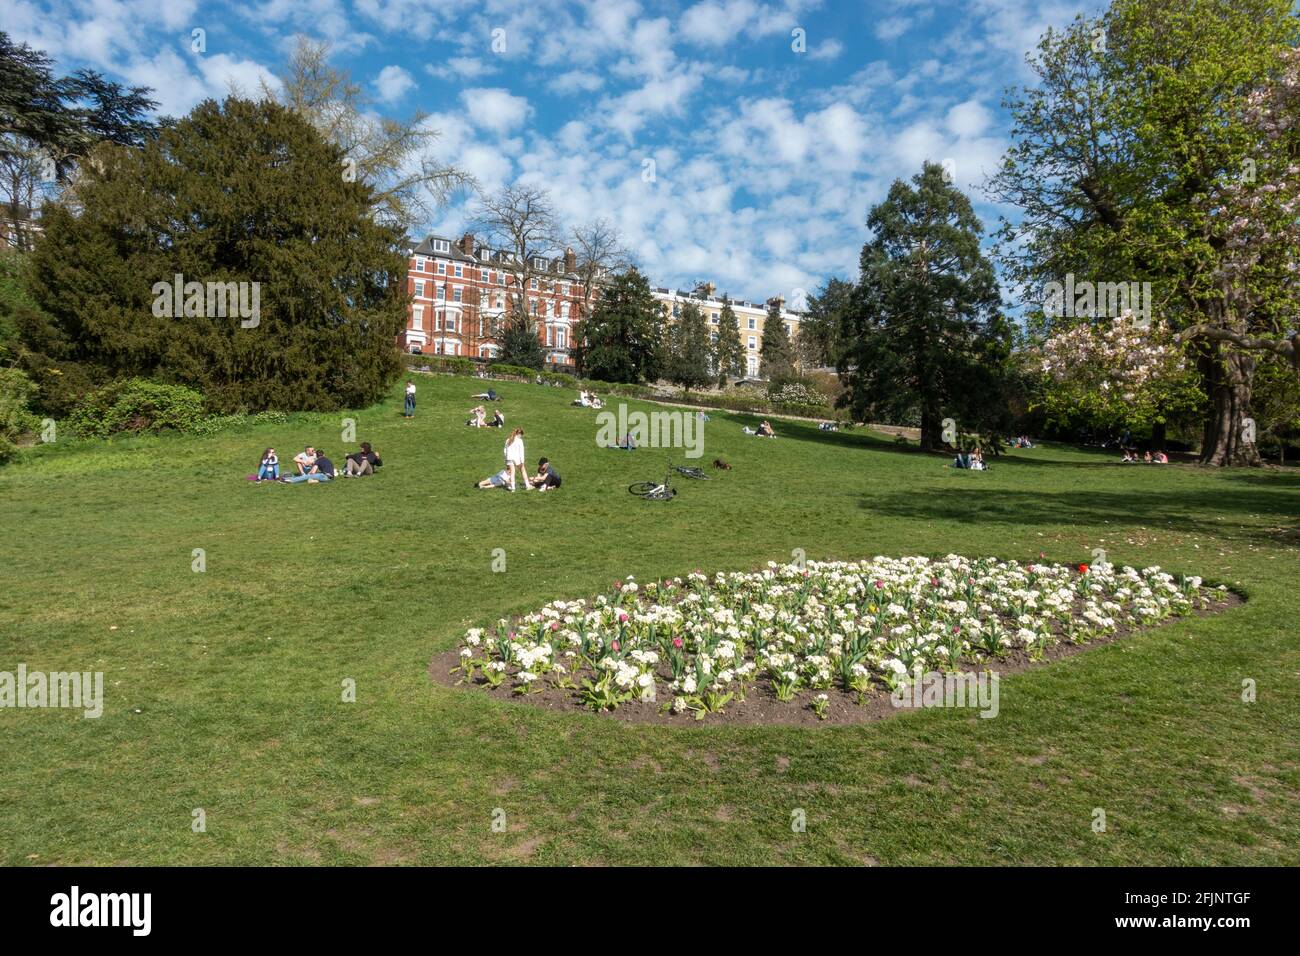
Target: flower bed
x=699, y=644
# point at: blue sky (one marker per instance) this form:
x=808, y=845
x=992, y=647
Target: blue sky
x=765, y=158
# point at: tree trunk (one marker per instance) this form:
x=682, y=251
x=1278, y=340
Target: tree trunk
x=1158, y=436
x=1230, y=431
x=931, y=426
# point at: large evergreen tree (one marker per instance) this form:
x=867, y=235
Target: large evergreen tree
x=728, y=351
x=822, y=328
x=927, y=334
x=236, y=192
x=618, y=341
x=776, y=354
x=520, y=343
x=689, y=349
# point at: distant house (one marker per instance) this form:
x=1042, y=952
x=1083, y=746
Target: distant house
x=19, y=226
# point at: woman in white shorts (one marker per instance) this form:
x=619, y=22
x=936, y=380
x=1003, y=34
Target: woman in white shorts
x=515, y=458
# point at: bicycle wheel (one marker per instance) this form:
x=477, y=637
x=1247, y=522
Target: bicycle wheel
x=661, y=494
x=642, y=488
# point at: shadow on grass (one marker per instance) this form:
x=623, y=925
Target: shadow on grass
x=1199, y=512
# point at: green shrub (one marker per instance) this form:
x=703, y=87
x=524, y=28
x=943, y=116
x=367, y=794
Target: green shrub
x=559, y=378
x=137, y=405
x=16, y=418
x=515, y=371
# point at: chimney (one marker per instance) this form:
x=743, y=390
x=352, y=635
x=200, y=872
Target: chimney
x=780, y=302
x=570, y=261
x=467, y=244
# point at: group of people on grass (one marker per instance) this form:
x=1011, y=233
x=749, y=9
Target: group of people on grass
x=588, y=399
x=974, y=459
x=545, y=479
x=1131, y=457
x=313, y=465
x=764, y=430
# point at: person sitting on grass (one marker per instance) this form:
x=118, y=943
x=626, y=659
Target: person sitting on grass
x=625, y=443
x=976, y=459
x=546, y=477
x=765, y=430
x=583, y=400
x=269, y=469
x=828, y=427
x=305, y=459
x=1129, y=457
x=1160, y=458
x=500, y=480
x=322, y=469
x=498, y=419
x=489, y=396
x=363, y=462
x=476, y=417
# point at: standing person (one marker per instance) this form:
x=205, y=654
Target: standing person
x=515, y=458
x=269, y=469
x=409, y=410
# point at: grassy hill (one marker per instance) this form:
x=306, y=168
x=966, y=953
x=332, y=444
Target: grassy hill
x=224, y=687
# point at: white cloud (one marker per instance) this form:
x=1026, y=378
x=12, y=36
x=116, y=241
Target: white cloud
x=495, y=109
x=968, y=119
x=576, y=81
x=891, y=28
x=393, y=83
x=461, y=67
x=826, y=50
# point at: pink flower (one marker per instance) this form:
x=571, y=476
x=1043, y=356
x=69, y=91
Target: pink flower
x=555, y=625
x=622, y=617
x=880, y=585
x=614, y=645
x=677, y=642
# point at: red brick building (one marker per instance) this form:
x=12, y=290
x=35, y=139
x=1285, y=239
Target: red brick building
x=461, y=293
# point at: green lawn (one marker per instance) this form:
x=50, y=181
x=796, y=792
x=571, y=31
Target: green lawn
x=224, y=688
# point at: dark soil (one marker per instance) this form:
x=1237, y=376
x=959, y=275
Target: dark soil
x=760, y=705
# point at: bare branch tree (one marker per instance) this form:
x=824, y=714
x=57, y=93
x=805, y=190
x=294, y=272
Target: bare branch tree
x=599, y=253
x=393, y=156
x=521, y=221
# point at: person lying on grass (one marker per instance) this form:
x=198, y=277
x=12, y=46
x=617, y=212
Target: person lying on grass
x=490, y=395
x=547, y=477
x=500, y=480
x=363, y=462
x=322, y=469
